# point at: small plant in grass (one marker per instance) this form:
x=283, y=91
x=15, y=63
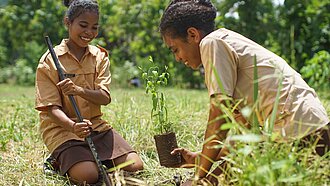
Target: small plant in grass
x=166, y=140
x=154, y=80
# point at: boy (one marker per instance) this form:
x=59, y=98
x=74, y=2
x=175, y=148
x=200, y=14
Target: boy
x=187, y=28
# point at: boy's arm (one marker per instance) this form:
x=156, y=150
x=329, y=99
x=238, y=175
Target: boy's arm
x=213, y=135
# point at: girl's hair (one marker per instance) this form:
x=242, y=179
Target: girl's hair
x=183, y=14
x=77, y=7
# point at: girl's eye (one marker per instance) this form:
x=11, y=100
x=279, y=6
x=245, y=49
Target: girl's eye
x=83, y=25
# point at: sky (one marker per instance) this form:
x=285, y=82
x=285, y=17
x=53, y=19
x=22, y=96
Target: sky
x=278, y=2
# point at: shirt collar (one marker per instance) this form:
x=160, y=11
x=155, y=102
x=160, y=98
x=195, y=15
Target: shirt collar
x=63, y=48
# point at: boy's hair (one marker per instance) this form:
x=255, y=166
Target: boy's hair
x=77, y=7
x=183, y=14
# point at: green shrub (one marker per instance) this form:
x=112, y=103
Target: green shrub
x=122, y=74
x=317, y=71
x=20, y=74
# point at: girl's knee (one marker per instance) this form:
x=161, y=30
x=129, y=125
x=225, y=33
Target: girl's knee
x=136, y=164
x=86, y=171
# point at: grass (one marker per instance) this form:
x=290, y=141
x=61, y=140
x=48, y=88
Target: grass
x=22, y=150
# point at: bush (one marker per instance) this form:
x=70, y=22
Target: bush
x=317, y=70
x=20, y=74
x=121, y=75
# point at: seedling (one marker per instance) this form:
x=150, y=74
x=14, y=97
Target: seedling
x=154, y=80
x=166, y=140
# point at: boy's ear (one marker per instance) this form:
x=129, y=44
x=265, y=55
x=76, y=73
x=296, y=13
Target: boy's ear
x=194, y=34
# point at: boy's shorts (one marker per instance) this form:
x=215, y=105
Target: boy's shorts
x=109, y=145
x=323, y=137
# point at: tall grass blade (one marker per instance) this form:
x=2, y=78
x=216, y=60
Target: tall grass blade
x=271, y=123
x=255, y=124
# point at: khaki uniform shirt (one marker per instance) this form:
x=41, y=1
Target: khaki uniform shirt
x=92, y=72
x=231, y=56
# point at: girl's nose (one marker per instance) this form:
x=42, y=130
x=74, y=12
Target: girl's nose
x=89, y=31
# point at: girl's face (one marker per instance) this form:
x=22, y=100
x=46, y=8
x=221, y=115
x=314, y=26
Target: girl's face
x=185, y=51
x=83, y=29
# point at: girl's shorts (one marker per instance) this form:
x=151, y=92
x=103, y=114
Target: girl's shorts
x=109, y=145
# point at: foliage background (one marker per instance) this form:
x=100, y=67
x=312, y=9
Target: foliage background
x=294, y=29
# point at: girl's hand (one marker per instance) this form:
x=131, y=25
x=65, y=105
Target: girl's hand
x=69, y=88
x=82, y=129
x=188, y=157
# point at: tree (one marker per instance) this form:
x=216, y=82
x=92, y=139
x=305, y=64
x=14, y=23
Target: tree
x=254, y=19
x=309, y=22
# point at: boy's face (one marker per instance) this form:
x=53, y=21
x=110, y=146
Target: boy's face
x=84, y=28
x=185, y=51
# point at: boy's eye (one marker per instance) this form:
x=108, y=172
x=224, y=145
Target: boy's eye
x=83, y=25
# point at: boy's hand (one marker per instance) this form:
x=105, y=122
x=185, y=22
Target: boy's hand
x=69, y=88
x=188, y=157
x=82, y=129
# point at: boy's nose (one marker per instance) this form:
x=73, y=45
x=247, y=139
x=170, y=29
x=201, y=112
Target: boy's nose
x=177, y=58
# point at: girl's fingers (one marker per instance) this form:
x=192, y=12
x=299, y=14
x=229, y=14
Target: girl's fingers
x=82, y=129
x=63, y=82
x=89, y=123
x=83, y=134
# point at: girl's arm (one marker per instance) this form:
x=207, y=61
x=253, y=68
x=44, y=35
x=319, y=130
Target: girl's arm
x=59, y=117
x=98, y=97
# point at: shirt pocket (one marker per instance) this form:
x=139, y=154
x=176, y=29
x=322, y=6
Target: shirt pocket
x=85, y=78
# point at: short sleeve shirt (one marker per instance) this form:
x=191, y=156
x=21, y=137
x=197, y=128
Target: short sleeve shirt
x=228, y=60
x=91, y=72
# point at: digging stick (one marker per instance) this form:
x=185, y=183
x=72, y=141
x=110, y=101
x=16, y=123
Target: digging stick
x=91, y=145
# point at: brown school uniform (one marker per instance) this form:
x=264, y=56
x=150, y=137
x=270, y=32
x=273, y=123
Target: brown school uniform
x=92, y=72
x=300, y=111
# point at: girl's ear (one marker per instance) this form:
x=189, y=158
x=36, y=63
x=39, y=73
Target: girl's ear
x=66, y=21
x=194, y=35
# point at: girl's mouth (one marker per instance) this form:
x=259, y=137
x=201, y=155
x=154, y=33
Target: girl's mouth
x=86, y=39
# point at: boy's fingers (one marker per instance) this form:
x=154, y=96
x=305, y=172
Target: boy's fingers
x=177, y=150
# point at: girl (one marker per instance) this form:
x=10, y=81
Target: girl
x=88, y=77
x=187, y=28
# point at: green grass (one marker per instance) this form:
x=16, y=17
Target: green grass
x=22, y=150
